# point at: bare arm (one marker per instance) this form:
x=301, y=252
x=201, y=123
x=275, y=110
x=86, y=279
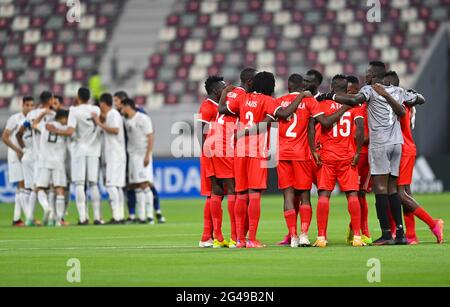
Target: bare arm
x=350, y=100
x=223, y=99
x=19, y=136
x=359, y=139
x=285, y=113
x=329, y=121
x=38, y=120
x=66, y=132
x=150, y=139
x=109, y=130
x=398, y=108
x=6, y=139
x=312, y=140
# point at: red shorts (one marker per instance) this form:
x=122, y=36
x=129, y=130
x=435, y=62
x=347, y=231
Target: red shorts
x=406, y=170
x=206, y=172
x=223, y=167
x=339, y=171
x=365, y=180
x=250, y=173
x=296, y=174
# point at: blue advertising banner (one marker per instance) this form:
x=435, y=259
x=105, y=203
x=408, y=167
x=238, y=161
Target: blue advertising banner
x=174, y=178
x=177, y=178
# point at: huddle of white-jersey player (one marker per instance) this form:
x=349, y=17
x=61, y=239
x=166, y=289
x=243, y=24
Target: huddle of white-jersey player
x=42, y=140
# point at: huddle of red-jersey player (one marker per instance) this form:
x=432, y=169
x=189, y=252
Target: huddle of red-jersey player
x=318, y=142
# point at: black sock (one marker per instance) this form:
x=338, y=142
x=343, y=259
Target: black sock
x=382, y=205
x=396, y=210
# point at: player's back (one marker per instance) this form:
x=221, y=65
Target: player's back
x=337, y=142
x=253, y=109
x=53, y=147
x=114, y=144
x=87, y=135
x=384, y=125
x=293, y=132
x=36, y=133
x=138, y=127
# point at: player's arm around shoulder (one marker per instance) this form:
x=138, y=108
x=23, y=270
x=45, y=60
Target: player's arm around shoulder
x=397, y=106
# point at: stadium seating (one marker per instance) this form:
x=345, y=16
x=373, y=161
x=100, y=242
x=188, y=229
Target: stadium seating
x=41, y=50
x=204, y=37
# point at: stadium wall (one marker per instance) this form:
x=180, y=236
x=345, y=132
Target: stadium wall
x=432, y=79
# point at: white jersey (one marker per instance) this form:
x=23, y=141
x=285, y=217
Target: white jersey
x=114, y=144
x=13, y=125
x=87, y=141
x=138, y=128
x=36, y=133
x=53, y=148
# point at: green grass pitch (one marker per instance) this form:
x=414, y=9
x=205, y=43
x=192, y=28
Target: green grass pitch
x=167, y=255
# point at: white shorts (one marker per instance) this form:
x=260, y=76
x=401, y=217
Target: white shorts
x=115, y=173
x=137, y=173
x=15, y=173
x=85, y=169
x=51, y=176
x=28, y=169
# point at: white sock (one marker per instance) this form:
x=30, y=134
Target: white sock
x=52, y=205
x=25, y=194
x=114, y=202
x=140, y=204
x=121, y=209
x=96, y=202
x=80, y=198
x=149, y=202
x=42, y=197
x=32, y=205
x=17, y=206
x=60, y=208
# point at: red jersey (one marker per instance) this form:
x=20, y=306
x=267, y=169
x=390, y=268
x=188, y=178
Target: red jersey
x=293, y=133
x=208, y=114
x=253, y=108
x=337, y=142
x=224, y=129
x=408, y=147
x=365, y=147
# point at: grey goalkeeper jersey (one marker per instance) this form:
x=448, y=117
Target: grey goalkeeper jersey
x=384, y=126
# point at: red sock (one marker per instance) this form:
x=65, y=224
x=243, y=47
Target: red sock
x=354, y=209
x=323, y=208
x=247, y=222
x=393, y=223
x=240, y=210
x=207, y=221
x=254, y=213
x=424, y=216
x=291, y=221
x=231, y=204
x=217, y=213
x=364, y=215
x=410, y=224
x=305, y=217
